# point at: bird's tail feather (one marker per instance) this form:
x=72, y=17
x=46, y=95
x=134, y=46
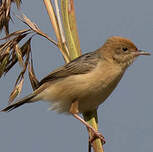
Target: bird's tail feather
x=22, y=101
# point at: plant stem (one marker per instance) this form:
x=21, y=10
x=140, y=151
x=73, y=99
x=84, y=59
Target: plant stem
x=62, y=46
x=52, y=17
x=92, y=119
x=65, y=10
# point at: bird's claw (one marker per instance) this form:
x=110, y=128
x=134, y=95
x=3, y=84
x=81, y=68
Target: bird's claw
x=97, y=135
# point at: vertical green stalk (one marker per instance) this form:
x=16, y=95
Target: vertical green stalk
x=92, y=119
x=73, y=26
x=67, y=25
x=73, y=43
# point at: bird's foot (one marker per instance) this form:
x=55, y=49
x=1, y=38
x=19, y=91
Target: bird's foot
x=96, y=135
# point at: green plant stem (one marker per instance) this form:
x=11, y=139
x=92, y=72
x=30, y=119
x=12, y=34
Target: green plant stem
x=73, y=43
x=66, y=10
x=92, y=119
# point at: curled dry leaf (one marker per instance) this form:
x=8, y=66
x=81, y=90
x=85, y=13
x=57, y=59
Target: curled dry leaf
x=16, y=91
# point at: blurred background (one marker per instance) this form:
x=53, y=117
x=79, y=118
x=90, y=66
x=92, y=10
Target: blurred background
x=125, y=119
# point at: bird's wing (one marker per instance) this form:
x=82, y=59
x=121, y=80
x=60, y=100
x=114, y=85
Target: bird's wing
x=80, y=65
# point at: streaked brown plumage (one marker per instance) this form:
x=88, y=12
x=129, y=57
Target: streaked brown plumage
x=89, y=79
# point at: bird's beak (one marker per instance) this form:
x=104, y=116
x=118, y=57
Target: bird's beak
x=141, y=52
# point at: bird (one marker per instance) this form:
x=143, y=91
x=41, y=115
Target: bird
x=84, y=83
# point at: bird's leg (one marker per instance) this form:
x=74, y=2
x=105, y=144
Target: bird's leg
x=74, y=111
x=96, y=134
x=74, y=107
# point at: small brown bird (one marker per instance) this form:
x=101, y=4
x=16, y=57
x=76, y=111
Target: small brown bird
x=89, y=79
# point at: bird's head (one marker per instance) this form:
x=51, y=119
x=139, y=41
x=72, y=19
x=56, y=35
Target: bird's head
x=121, y=51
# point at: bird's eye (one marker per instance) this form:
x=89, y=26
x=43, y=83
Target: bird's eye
x=124, y=49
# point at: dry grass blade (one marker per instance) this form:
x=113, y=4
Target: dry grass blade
x=16, y=91
x=5, y=7
x=15, y=53
x=16, y=33
x=11, y=43
x=35, y=28
x=28, y=22
x=5, y=15
x=19, y=55
x=34, y=81
x=2, y=56
x=19, y=82
x=4, y=61
x=27, y=53
x=24, y=49
x=6, y=50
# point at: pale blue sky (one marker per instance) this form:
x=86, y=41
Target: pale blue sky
x=125, y=119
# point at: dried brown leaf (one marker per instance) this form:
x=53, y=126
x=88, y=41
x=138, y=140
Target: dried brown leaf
x=4, y=46
x=16, y=33
x=11, y=43
x=20, y=79
x=32, y=25
x=27, y=53
x=5, y=7
x=16, y=91
x=8, y=7
x=5, y=15
x=24, y=49
x=34, y=81
x=19, y=55
x=3, y=65
x=4, y=61
x=7, y=62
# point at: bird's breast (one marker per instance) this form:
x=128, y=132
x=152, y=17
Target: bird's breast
x=100, y=84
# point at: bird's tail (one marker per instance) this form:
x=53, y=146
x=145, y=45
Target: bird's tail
x=22, y=101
